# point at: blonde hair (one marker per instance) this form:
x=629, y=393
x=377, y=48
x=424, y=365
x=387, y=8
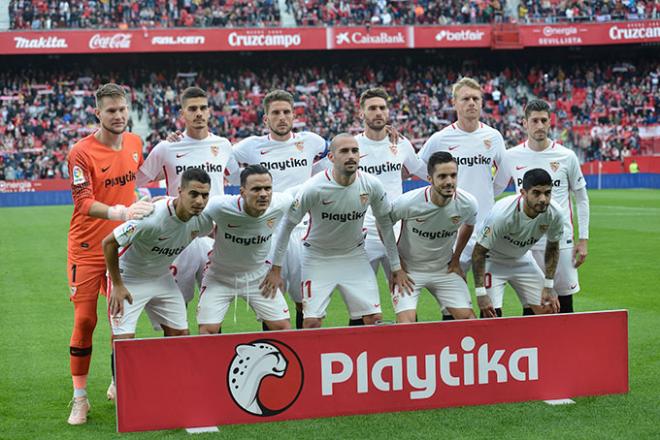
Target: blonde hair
x=109, y=90
x=464, y=82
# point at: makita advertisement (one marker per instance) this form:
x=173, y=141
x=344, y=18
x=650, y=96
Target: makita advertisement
x=167, y=383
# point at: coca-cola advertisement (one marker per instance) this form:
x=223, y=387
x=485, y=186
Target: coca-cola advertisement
x=110, y=41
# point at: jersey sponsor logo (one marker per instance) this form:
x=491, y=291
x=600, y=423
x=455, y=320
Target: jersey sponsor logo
x=363, y=155
x=120, y=181
x=486, y=231
x=327, y=202
x=103, y=170
x=300, y=146
x=455, y=219
x=270, y=222
x=215, y=150
x=521, y=243
x=170, y=252
x=453, y=147
x=573, y=286
x=343, y=217
x=206, y=166
x=135, y=157
x=554, y=166
x=488, y=143
x=420, y=220
x=364, y=198
x=262, y=152
x=386, y=167
x=180, y=155
x=162, y=238
x=474, y=160
x=433, y=235
x=394, y=149
x=78, y=175
x=518, y=168
x=284, y=164
x=265, y=377
x=247, y=241
x=229, y=225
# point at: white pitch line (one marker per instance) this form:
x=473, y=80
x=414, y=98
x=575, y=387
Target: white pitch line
x=202, y=430
x=560, y=402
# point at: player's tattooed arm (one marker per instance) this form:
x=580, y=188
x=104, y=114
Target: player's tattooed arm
x=551, y=258
x=479, y=264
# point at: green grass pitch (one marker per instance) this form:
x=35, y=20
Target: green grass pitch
x=622, y=271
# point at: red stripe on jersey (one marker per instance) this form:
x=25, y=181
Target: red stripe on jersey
x=238, y=202
x=518, y=202
x=123, y=250
x=481, y=125
x=570, y=216
x=453, y=126
x=426, y=193
x=403, y=228
x=168, y=206
x=309, y=227
x=553, y=145
x=327, y=176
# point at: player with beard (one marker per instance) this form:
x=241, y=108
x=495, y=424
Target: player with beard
x=539, y=151
x=477, y=149
x=289, y=157
x=333, y=252
x=515, y=224
x=102, y=168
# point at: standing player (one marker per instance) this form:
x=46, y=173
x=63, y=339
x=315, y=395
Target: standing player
x=434, y=218
x=102, y=167
x=140, y=275
x=238, y=263
x=562, y=164
x=289, y=157
x=198, y=148
x=514, y=225
x=477, y=149
x=333, y=253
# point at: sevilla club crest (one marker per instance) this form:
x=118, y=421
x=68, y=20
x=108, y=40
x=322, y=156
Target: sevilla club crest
x=135, y=157
x=215, y=150
x=554, y=166
x=364, y=198
x=488, y=143
x=455, y=219
x=394, y=149
x=300, y=146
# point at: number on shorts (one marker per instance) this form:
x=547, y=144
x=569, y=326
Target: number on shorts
x=307, y=284
x=73, y=273
x=488, y=280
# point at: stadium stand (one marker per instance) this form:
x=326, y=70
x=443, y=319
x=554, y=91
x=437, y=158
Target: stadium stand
x=599, y=106
x=57, y=14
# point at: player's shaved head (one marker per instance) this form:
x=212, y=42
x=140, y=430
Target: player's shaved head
x=536, y=177
x=192, y=92
x=340, y=139
x=109, y=90
x=194, y=175
x=277, y=95
x=375, y=92
x=464, y=82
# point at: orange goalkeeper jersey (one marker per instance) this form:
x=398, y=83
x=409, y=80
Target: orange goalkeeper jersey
x=99, y=173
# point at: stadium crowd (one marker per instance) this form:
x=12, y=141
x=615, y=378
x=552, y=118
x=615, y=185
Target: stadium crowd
x=52, y=14
x=597, y=108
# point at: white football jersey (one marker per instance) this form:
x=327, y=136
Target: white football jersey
x=289, y=162
x=336, y=211
x=242, y=242
x=386, y=161
x=562, y=165
x=509, y=233
x=476, y=153
x=428, y=231
x=149, y=246
x=168, y=160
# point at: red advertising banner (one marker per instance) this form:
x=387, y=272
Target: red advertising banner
x=452, y=36
x=162, y=40
x=12, y=186
x=384, y=37
x=201, y=381
x=590, y=34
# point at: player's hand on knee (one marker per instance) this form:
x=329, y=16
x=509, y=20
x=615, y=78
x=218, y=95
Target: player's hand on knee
x=455, y=267
x=402, y=281
x=272, y=283
x=174, y=137
x=117, y=297
x=549, y=300
x=486, y=306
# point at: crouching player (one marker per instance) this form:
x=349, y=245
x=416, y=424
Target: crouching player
x=140, y=275
x=237, y=264
x=514, y=225
x=434, y=218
